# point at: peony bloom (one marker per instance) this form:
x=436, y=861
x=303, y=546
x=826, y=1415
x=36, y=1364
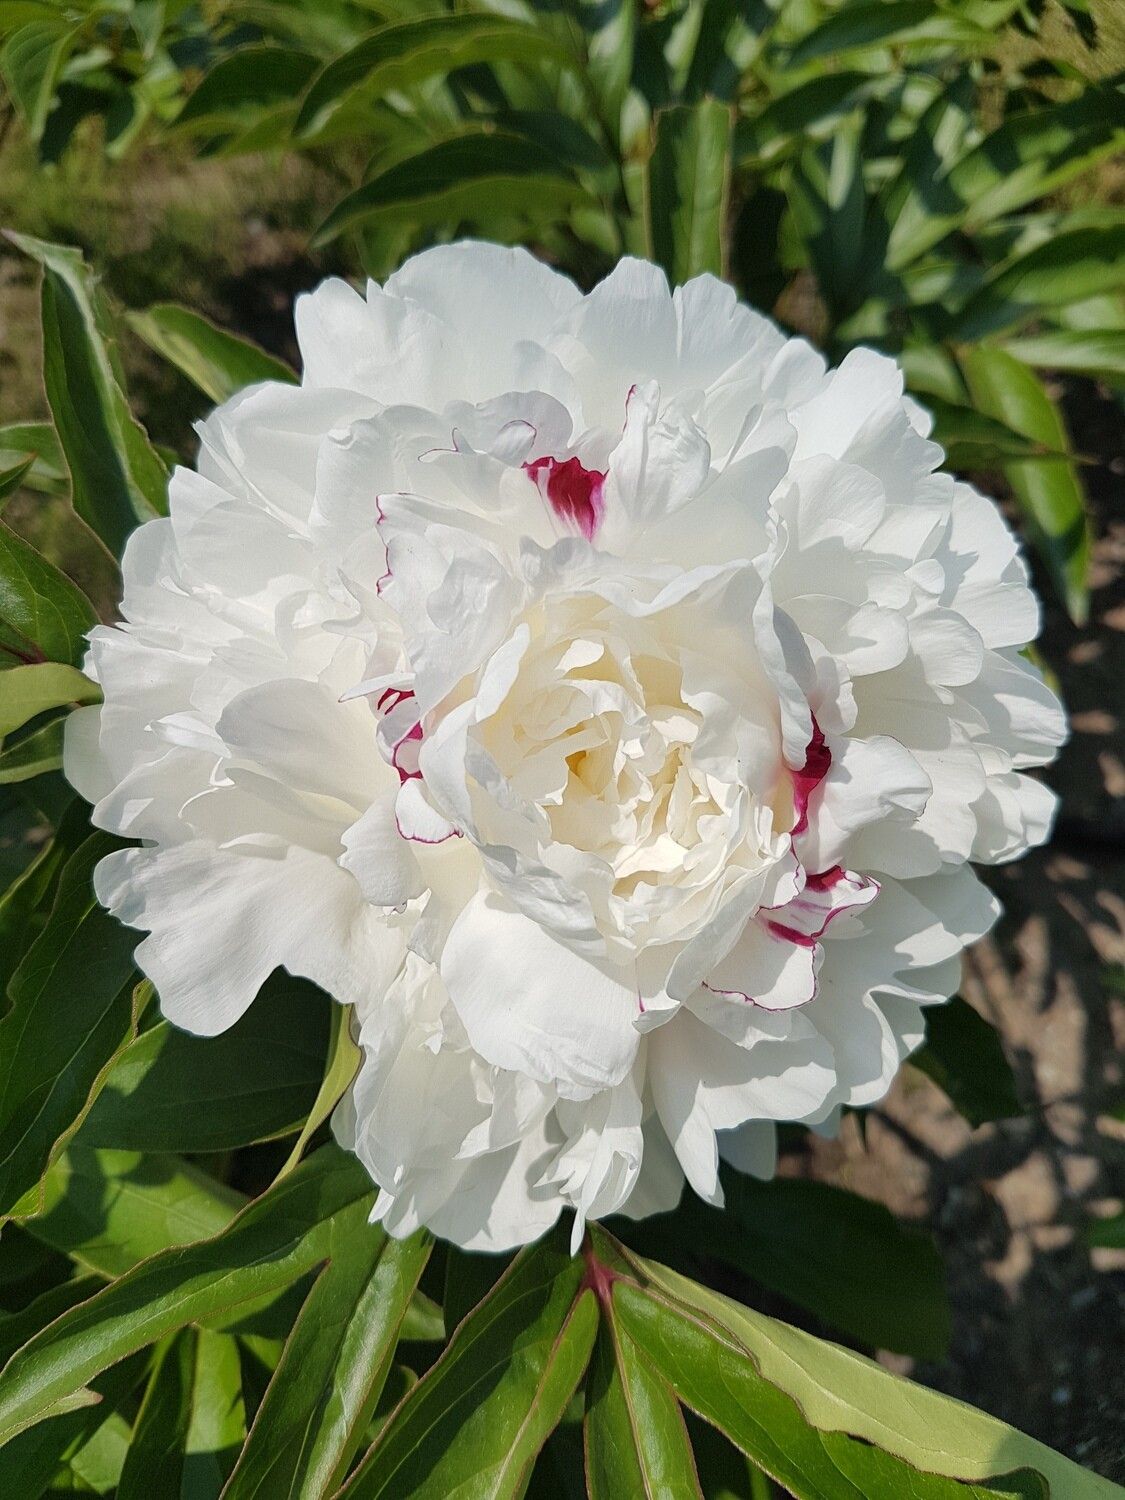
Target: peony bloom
x=599, y=694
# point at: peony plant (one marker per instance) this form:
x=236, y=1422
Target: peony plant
x=551, y=738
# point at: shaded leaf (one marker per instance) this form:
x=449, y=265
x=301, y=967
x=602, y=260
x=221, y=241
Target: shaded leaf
x=339, y=1070
x=117, y=478
x=688, y=184
x=109, y=1210
x=1096, y=352
x=407, y=52
x=1068, y=268
x=973, y=441
x=172, y=1091
x=246, y=83
x=963, y=1055
x=881, y=23
x=843, y=1257
x=48, y=471
x=72, y=1007
x=477, y=177
x=32, y=60
x=218, y=362
x=273, y=1242
x=36, y=753
x=191, y=1423
x=42, y=614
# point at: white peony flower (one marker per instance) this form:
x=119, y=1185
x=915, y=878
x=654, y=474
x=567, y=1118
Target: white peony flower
x=600, y=695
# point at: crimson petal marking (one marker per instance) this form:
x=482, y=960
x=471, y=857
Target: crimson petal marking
x=574, y=493
x=818, y=761
x=825, y=897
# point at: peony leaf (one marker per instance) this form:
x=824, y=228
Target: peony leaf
x=218, y=362
x=331, y=1374
x=31, y=1461
x=118, y=479
x=245, y=84
x=42, y=614
x=339, y=1070
x=478, y=177
x=826, y=1423
x=880, y=23
x=109, y=1210
x=191, y=1423
x=72, y=1006
x=973, y=441
x=405, y=53
x=476, y=1421
x=272, y=1243
x=171, y=1091
x=842, y=1257
x=31, y=62
x=35, y=754
x=636, y=1439
x=688, y=186
x=1024, y=159
x=1095, y=352
x=13, y=475
x=26, y=692
x=1068, y=268
x=1048, y=492
x=963, y=1055
x=48, y=469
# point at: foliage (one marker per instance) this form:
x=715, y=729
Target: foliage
x=192, y=1299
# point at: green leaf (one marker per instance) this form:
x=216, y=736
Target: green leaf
x=406, y=53
x=191, y=1423
x=828, y=204
x=842, y=1257
x=117, y=477
x=25, y=905
x=973, y=441
x=171, y=1091
x=271, y=1244
x=964, y=1057
x=1069, y=268
x=245, y=84
x=13, y=475
x=35, y=754
x=883, y=23
x=636, y=1440
x=32, y=60
x=826, y=1423
x=1108, y=1234
x=688, y=186
x=48, y=471
x=333, y=1369
x=477, y=177
x=109, y=1210
x=26, y=692
x=42, y=614
x=339, y=1070
x=474, y=1424
x=1048, y=492
x=218, y=362
x=72, y=1007
x=31, y=1462
x=1096, y=352
x=1024, y=159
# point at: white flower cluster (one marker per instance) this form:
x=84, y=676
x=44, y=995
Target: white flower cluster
x=599, y=694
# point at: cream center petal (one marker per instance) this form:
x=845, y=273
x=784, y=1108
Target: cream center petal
x=597, y=737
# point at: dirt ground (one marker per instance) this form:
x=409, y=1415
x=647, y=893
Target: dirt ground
x=1037, y=1317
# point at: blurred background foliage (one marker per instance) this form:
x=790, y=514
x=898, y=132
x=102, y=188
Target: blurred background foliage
x=939, y=178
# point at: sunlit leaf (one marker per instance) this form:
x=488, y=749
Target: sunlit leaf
x=688, y=182
x=218, y=362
